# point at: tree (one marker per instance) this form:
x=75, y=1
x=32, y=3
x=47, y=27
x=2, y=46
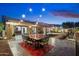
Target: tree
x=68, y=25
x=76, y=24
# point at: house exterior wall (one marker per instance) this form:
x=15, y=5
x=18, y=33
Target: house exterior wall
x=11, y=25
x=9, y=31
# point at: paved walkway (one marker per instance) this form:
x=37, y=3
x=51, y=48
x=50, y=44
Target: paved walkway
x=16, y=49
x=4, y=48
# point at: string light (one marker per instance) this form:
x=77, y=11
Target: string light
x=43, y=9
x=40, y=16
x=23, y=16
x=30, y=9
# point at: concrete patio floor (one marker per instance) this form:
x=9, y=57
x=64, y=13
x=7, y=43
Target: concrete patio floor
x=16, y=49
x=61, y=48
x=64, y=47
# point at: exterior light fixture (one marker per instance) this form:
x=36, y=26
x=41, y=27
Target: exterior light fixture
x=30, y=26
x=21, y=20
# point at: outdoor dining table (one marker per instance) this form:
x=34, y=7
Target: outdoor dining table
x=37, y=38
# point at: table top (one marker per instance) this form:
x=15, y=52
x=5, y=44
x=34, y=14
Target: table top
x=37, y=36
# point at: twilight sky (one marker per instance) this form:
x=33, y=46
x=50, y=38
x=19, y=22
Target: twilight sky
x=52, y=14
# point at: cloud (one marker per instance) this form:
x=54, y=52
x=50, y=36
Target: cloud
x=66, y=14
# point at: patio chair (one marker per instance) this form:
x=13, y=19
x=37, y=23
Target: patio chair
x=37, y=45
x=44, y=41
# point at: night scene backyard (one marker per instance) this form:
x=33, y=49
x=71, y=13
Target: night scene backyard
x=39, y=29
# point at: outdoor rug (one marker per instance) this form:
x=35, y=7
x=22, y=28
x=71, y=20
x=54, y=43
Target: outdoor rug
x=36, y=52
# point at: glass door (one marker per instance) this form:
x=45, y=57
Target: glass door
x=24, y=30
